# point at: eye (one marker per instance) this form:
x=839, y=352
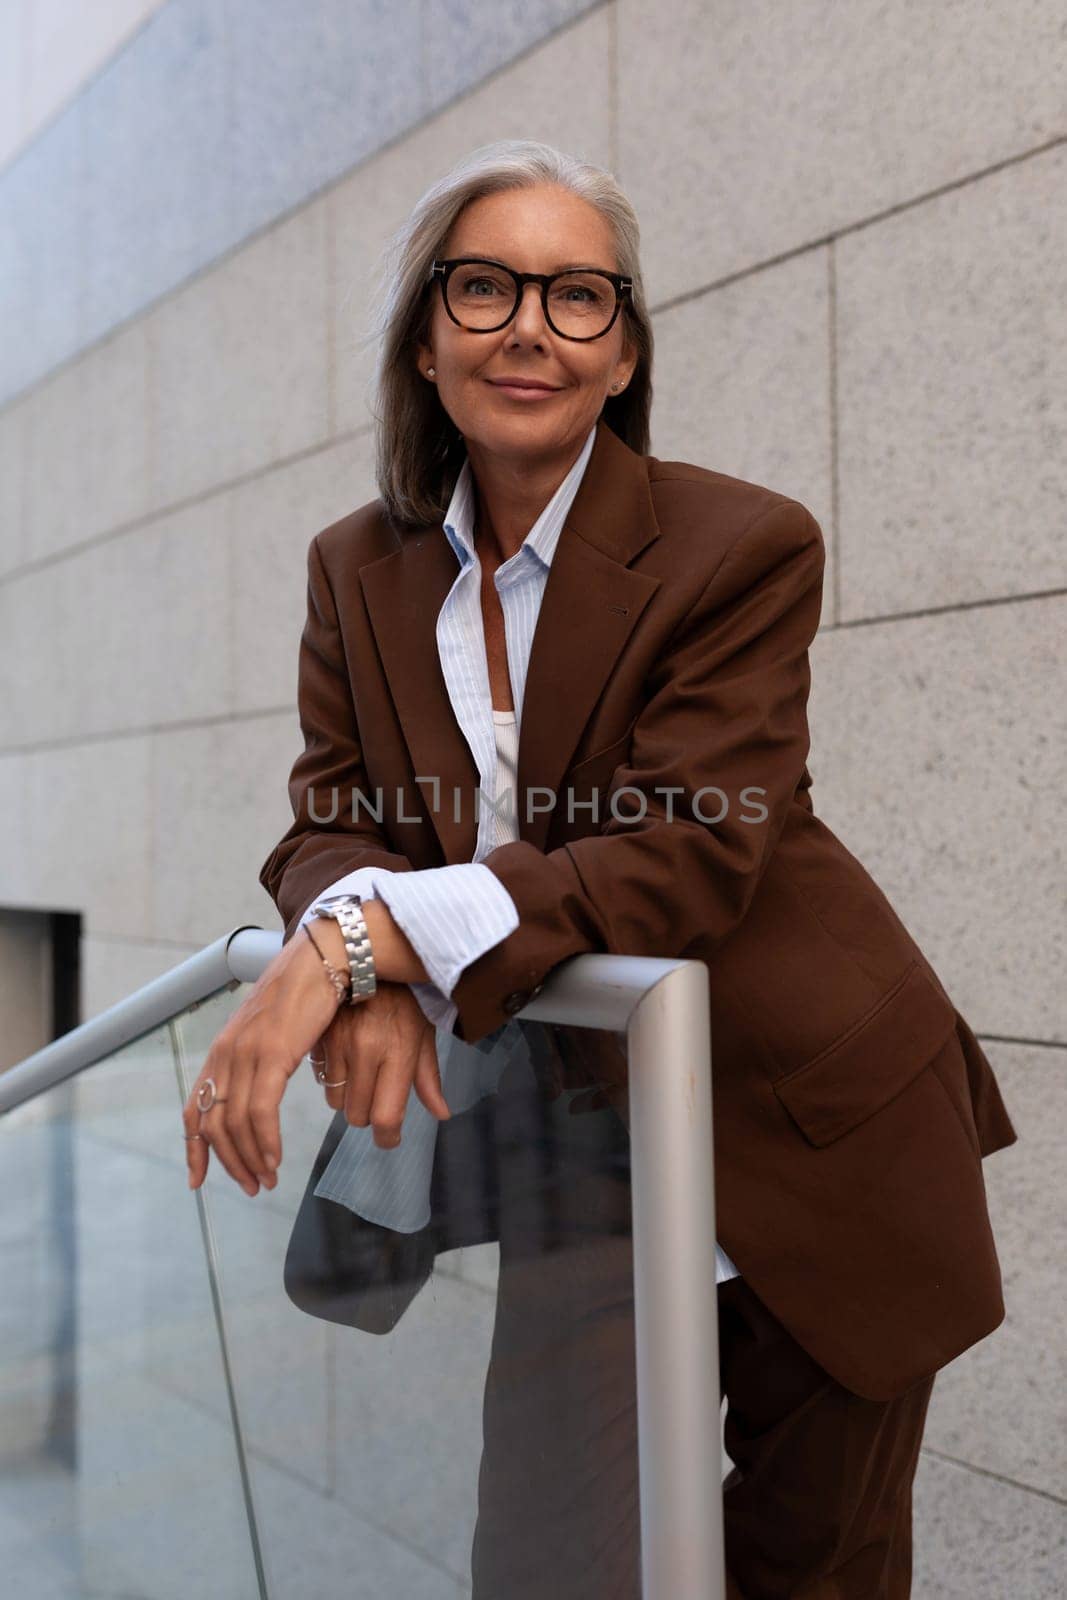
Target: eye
x=481, y=284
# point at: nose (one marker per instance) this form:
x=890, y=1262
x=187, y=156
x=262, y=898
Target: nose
x=531, y=296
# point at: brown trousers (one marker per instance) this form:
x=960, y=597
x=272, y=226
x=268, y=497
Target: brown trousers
x=818, y=1503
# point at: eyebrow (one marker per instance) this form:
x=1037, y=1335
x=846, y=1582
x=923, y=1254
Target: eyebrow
x=563, y=266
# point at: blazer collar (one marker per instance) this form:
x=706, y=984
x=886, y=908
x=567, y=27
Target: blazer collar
x=591, y=605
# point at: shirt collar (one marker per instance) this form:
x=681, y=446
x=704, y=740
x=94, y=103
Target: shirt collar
x=542, y=538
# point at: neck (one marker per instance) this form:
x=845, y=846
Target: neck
x=509, y=498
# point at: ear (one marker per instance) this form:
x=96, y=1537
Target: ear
x=623, y=376
x=629, y=358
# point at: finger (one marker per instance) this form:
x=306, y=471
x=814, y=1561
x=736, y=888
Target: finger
x=391, y=1093
x=364, y=1048
x=216, y=1065
x=428, y=1077
x=317, y=1058
x=271, y=1079
x=334, y=1073
x=224, y=1066
x=213, y=1127
x=239, y=1126
x=338, y=1090
x=219, y=1066
x=196, y=1149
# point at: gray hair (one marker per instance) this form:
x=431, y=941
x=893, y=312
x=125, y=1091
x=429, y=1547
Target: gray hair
x=419, y=449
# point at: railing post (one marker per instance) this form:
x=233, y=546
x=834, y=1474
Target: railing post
x=675, y=1295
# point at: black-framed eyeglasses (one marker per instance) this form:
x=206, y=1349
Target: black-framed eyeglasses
x=482, y=296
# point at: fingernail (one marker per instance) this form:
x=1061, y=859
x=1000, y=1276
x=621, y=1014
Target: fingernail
x=271, y=1164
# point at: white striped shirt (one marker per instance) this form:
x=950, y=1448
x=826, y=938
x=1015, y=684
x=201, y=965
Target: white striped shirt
x=453, y=914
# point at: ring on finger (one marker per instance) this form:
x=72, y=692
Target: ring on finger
x=320, y=1073
x=210, y=1088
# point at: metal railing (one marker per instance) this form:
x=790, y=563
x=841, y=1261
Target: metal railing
x=662, y=1008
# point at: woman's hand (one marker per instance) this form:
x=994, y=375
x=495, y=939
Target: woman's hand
x=374, y=1051
x=379, y=1046
x=251, y=1060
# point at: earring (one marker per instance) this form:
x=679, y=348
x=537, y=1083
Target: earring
x=431, y=372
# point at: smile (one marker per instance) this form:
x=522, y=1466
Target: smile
x=516, y=393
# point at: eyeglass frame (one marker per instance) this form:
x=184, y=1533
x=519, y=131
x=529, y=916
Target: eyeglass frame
x=442, y=271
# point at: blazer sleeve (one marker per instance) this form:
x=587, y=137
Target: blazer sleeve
x=312, y=854
x=726, y=707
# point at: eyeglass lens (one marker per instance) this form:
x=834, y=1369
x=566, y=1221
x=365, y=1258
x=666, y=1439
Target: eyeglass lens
x=580, y=304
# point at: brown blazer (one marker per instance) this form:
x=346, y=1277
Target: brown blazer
x=852, y=1102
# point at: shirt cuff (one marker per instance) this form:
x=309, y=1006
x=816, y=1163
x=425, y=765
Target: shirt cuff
x=360, y=882
x=436, y=1007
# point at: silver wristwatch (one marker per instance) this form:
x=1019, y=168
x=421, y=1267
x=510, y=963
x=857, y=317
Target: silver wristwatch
x=347, y=912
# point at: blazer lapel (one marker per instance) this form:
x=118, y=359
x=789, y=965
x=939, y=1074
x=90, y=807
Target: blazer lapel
x=405, y=591
x=591, y=605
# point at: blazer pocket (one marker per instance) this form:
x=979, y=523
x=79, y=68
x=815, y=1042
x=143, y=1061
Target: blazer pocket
x=871, y=1062
x=613, y=750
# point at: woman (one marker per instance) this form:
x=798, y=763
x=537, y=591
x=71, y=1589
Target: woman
x=647, y=625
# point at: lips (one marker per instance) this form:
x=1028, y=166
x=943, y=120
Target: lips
x=538, y=388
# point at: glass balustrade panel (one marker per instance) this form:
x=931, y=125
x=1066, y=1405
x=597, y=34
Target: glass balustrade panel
x=451, y=1404
x=120, y=1473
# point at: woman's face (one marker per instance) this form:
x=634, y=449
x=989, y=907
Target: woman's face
x=542, y=229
